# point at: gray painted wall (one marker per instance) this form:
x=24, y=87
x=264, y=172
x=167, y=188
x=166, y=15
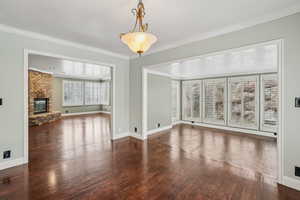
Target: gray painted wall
x=12, y=86
x=159, y=101
x=58, y=100
x=287, y=28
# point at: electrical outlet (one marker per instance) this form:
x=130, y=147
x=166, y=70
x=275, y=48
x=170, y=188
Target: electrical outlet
x=6, y=154
x=158, y=125
x=135, y=129
x=297, y=171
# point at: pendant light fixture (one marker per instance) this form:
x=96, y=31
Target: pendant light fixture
x=138, y=39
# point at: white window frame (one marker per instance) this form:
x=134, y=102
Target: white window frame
x=216, y=122
x=263, y=127
x=104, y=97
x=83, y=82
x=192, y=118
x=178, y=107
x=244, y=78
x=84, y=94
x=63, y=93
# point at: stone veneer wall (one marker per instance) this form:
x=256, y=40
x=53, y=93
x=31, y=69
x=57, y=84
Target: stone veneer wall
x=40, y=86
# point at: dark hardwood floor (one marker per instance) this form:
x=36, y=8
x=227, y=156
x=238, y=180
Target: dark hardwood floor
x=75, y=159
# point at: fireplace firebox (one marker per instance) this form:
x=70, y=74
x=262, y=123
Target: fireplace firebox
x=41, y=105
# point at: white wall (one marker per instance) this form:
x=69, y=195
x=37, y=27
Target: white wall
x=12, y=86
x=159, y=101
x=287, y=28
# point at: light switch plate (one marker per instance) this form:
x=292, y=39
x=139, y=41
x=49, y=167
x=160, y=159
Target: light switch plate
x=297, y=102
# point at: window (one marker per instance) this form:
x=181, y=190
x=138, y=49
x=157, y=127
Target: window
x=92, y=92
x=72, y=68
x=243, y=105
x=78, y=93
x=269, y=100
x=73, y=93
x=98, y=71
x=214, y=101
x=105, y=93
x=175, y=101
x=191, y=91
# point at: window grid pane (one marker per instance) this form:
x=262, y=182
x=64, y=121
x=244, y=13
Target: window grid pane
x=243, y=102
x=191, y=100
x=73, y=94
x=214, y=101
x=175, y=101
x=269, y=94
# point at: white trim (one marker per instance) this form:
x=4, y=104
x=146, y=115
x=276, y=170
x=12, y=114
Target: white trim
x=113, y=98
x=83, y=113
x=12, y=163
x=121, y=135
x=81, y=77
x=249, y=131
x=105, y=112
x=291, y=182
x=25, y=106
x=39, y=36
x=38, y=70
x=159, y=73
x=27, y=52
x=138, y=136
x=233, y=28
x=150, y=132
x=176, y=123
x=281, y=110
x=145, y=103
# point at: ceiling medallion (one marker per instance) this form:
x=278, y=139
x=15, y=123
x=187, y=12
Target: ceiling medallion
x=138, y=39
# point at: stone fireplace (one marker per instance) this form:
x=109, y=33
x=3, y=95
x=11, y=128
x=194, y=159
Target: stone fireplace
x=40, y=98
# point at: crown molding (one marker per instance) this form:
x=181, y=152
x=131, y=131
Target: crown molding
x=229, y=29
x=39, y=36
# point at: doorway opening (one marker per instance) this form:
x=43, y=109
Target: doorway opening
x=69, y=103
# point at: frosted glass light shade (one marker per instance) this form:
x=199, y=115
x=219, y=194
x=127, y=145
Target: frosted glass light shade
x=139, y=42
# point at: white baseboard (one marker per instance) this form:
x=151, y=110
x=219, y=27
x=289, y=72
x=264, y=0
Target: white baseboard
x=254, y=132
x=121, y=135
x=176, y=123
x=158, y=130
x=84, y=113
x=291, y=182
x=138, y=136
x=12, y=163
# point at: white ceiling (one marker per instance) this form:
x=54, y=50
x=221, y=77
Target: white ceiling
x=98, y=23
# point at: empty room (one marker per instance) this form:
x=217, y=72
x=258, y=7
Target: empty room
x=140, y=99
